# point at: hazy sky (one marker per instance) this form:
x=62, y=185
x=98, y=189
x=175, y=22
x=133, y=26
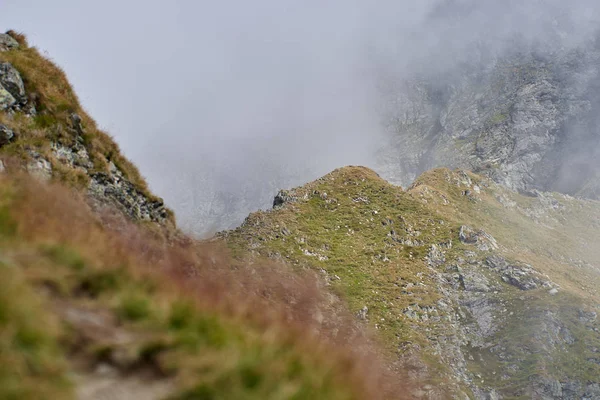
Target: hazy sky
x=221, y=102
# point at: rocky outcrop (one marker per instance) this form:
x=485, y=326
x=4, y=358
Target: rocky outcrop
x=38, y=166
x=110, y=187
x=528, y=119
x=66, y=152
x=12, y=89
x=113, y=188
x=6, y=135
x=7, y=42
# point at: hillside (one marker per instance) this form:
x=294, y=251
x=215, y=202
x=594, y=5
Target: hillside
x=349, y=288
x=477, y=290
x=101, y=297
x=45, y=131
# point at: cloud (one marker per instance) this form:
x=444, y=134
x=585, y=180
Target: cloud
x=221, y=103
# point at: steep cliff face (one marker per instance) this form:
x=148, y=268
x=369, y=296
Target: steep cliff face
x=527, y=118
x=44, y=130
x=481, y=291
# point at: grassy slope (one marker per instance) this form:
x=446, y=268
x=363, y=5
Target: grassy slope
x=78, y=290
x=70, y=294
x=351, y=224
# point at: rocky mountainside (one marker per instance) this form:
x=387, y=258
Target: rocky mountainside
x=478, y=291
x=349, y=288
x=102, y=298
x=527, y=117
x=45, y=131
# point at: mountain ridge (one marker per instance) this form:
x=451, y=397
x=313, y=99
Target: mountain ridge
x=435, y=273
x=102, y=297
x=349, y=288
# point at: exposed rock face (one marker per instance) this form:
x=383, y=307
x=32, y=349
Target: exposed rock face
x=114, y=188
x=527, y=119
x=480, y=238
x=38, y=166
x=283, y=197
x=110, y=187
x=6, y=135
x=12, y=86
x=7, y=42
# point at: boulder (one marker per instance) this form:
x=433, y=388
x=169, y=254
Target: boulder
x=6, y=99
x=6, y=135
x=11, y=81
x=481, y=239
x=113, y=187
x=284, y=196
x=39, y=167
x=7, y=42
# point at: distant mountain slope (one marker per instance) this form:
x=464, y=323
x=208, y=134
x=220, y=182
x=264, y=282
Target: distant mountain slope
x=481, y=291
x=527, y=117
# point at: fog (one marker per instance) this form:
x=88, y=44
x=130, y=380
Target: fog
x=222, y=103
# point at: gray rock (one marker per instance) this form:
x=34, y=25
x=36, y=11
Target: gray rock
x=113, y=188
x=7, y=42
x=6, y=135
x=523, y=282
x=546, y=388
x=11, y=81
x=75, y=156
x=481, y=239
x=473, y=281
x=39, y=167
x=496, y=261
x=283, y=197
x=362, y=313
x=587, y=317
x=527, y=119
x=6, y=99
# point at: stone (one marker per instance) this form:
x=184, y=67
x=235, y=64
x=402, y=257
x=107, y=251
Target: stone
x=473, y=281
x=522, y=282
x=7, y=42
x=362, y=313
x=6, y=99
x=76, y=123
x=283, y=197
x=11, y=81
x=522, y=129
x=6, y=135
x=496, y=261
x=39, y=167
x=481, y=239
x=75, y=156
x=115, y=189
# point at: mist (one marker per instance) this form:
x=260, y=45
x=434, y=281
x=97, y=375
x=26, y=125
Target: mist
x=220, y=104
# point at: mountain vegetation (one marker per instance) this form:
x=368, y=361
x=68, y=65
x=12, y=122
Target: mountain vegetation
x=478, y=282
